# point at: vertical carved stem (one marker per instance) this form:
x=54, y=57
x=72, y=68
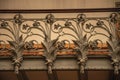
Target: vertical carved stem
x=49, y=64
x=116, y=66
x=116, y=69
x=50, y=69
x=82, y=63
x=82, y=69
x=16, y=67
x=17, y=64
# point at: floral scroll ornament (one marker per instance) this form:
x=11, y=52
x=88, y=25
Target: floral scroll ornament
x=16, y=41
x=80, y=39
x=114, y=43
x=81, y=49
x=81, y=44
x=18, y=19
x=50, y=49
x=17, y=45
x=16, y=51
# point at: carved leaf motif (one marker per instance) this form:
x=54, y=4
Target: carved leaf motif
x=21, y=47
x=53, y=43
x=77, y=43
x=12, y=44
x=110, y=46
x=99, y=23
x=85, y=47
x=85, y=37
x=45, y=48
x=113, y=17
x=89, y=26
x=81, y=17
x=57, y=26
x=50, y=18
x=18, y=18
x=50, y=49
x=21, y=38
x=36, y=24
x=68, y=24
x=4, y=24
x=53, y=53
x=25, y=26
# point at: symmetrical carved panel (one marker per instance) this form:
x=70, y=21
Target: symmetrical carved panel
x=57, y=34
